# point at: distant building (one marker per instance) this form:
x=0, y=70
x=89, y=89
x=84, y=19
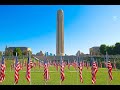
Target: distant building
x=79, y=53
x=94, y=51
x=11, y=49
x=47, y=53
x=50, y=54
x=40, y=53
x=65, y=54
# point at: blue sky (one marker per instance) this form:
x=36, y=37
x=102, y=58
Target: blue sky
x=34, y=26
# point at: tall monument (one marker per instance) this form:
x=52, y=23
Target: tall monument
x=60, y=33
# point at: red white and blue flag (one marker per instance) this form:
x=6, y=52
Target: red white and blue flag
x=69, y=65
x=94, y=71
x=109, y=66
x=114, y=65
x=2, y=70
x=80, y=71
x=29, y=66
x=55, y=64
x=17, y=69
x=46, y=71
x=62, y=75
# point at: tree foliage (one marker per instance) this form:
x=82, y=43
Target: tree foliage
x=103, y=48
x=112, y=50
x=25, y=52
x=0, y=53
x=18, y=50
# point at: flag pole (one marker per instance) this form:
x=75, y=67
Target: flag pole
x=106, y=65
x=45, y=61
x=23, y=62
x=77, y=69
x=15, y=67
x=34, y=64
x=0, y=67
x=30, y=67
x=60, y=67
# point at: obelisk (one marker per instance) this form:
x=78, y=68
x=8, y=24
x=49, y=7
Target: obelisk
x=60, y=33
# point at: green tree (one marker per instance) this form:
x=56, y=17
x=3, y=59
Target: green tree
x=103, y=48
x=6, y=53
x=18, y=50
x=25, y=52
x=117, y=48
x=11, y=52
x=110, y=50
x=0, y=53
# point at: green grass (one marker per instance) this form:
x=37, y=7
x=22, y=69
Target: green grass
x=71, y=76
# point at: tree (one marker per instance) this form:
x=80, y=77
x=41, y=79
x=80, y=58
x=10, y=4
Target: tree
x=18, y=50
x=6, y=53
x=11, y=52
x=117, y=48
x=41, y=53
x=25, y=52
x=110, y=50
x=103, y=48
x=0, y=53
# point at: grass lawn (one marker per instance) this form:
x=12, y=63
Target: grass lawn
x=71, y=76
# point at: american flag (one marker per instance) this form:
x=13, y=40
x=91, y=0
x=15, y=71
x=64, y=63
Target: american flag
x=2, y=70
x=69, y=65
x=80, y=71
x=100, y=64
x=74, y=64
x=109, y=66
x=39, y=64
x=94, y=71
x=62, y=75
x=87, y=65
x=114, y=65
x=83, y=63
x=56, y=65
x=46, y=71
x=29, y=66
x=17, y=69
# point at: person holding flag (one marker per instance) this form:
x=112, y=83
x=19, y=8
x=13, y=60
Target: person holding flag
x=62, y=75
x=17, y=69
x=2, y=70
x=29, y=66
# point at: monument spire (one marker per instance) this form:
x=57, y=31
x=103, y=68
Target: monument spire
x=60, y=33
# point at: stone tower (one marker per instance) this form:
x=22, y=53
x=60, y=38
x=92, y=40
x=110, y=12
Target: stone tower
x=60, y=33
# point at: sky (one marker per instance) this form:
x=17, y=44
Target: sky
x=34, y=26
